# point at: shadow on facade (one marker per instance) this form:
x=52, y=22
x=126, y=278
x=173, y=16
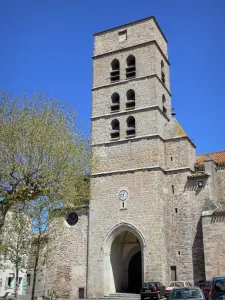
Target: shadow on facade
x=198, y=255
x=192, y=185
x=219, y=217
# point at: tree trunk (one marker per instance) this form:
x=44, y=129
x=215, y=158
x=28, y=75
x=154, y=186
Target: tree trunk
x=2, y=214
x=36, y=265
x=17, y=282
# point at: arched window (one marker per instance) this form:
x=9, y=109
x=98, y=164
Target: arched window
x=115, y=132
x=115, y=106
x=131, y=67
x=130, y=99
x=163, y=103
x=115, y=70
x=131, y=126
x=163, y=72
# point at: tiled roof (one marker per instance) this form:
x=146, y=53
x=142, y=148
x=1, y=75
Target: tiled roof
x=218, y=157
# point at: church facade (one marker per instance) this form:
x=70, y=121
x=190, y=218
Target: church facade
x=156, y=209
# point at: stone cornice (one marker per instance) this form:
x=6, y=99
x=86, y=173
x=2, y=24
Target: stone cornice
x=130, y=112
x=132, y=79
x=149, y=136
x=154, y=42
x=180, y=138
x=152, y=168
x=121, y=141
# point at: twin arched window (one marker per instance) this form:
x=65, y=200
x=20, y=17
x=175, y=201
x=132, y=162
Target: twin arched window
x=130, y=69
x=115, y=101
x=115, y=127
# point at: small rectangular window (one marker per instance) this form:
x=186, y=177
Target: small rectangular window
x=122, y=36
x=176, y=210
x=178, y=252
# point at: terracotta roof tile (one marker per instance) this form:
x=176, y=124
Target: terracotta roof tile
x=218, y=157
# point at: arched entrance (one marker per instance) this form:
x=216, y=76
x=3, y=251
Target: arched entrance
x=123, y=261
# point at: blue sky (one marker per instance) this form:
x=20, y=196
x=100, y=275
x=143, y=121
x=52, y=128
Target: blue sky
x=48, y=44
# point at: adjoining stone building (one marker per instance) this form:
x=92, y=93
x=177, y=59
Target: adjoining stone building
x=149, y=190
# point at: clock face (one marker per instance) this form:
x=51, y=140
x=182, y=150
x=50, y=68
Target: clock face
x=123, y=194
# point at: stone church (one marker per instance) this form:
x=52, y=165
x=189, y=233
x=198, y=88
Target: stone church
x=156, y=210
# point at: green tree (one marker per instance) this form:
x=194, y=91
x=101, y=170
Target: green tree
x=42, y=153
x=16, y=238
x=40, y=210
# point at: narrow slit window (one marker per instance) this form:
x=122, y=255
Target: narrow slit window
x=163, y=104
x=123, y=205
x=163, y=72
x=172, y=189
x=176, y=210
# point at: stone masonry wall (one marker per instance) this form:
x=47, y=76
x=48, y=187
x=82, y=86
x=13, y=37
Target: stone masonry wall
x=143, y=211
x=220, y=176
x=184, y=232
x=177, y=154
x=132, y=153
x=137, y=33
x=214, y=244
x=67, y=256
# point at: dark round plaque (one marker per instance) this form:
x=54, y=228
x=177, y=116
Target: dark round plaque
x=72, y=218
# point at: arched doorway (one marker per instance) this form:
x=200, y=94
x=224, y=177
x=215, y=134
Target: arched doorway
x=126, y=263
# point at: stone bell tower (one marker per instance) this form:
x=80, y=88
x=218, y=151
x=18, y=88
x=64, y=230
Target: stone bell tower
x=131, y=113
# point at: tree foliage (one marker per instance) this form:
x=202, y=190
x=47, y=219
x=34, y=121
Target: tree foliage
x=42, y=153
x=16, y=238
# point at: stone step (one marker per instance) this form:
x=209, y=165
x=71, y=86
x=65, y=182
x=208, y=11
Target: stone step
x=122, y=296
x=125, y=295
x=119, y=298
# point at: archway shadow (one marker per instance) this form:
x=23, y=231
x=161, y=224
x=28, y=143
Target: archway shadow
x=135, y=274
